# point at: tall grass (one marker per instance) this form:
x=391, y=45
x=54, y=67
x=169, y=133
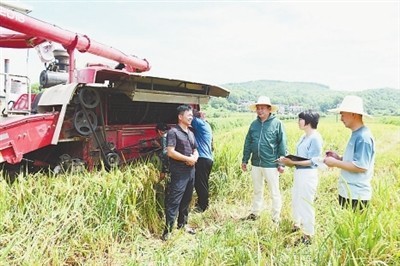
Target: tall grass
x=116, y=217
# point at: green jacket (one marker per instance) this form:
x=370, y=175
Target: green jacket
x=265, y=142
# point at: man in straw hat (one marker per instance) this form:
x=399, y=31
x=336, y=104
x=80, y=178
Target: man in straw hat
x=357, y=163
x=265, y=142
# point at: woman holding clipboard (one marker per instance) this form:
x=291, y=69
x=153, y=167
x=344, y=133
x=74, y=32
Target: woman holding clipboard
x=305, y=183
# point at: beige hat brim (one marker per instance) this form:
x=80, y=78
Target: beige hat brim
x=338, y=110
x=253, y=107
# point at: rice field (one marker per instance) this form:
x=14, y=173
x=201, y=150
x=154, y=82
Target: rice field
x=116, y=217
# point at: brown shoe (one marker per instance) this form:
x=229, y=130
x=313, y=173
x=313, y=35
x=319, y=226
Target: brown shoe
x=295, y=228
x=303, y=240
x=187, y=229
x=190, y=230
x=251, y=217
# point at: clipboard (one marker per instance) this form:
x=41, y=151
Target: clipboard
x=296, y=158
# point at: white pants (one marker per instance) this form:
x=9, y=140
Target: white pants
x=303, y=195
x=271, y=175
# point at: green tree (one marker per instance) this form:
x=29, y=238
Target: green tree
x=35, y=87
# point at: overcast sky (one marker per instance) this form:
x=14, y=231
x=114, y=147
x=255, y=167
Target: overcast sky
x=346, y=45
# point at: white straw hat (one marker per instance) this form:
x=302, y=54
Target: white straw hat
x=351, y=104
x=263, y=100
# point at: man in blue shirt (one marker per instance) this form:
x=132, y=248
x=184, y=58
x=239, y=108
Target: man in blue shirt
x=357, y=163
x=203, y=135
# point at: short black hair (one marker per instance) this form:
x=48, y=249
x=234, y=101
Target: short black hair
x=183, y=108
x=162, y=126
x=310, y=117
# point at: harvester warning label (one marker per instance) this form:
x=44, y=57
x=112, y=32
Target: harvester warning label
x=4, y=136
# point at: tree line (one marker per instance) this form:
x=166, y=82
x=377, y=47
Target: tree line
x=295, y=96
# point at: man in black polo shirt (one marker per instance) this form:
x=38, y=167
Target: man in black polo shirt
x=182, y=151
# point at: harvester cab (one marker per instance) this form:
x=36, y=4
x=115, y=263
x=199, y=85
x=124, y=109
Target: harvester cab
x=84, y=117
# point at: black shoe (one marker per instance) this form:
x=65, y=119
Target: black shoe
x=251, y=217
x=180, y=226
x=304, y=240
x=197, y=209
x=166, y=235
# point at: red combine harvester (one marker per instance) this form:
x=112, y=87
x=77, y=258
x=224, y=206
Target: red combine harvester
x=84, y=116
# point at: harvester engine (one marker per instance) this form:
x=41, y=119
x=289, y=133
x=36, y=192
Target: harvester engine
x=57, y=70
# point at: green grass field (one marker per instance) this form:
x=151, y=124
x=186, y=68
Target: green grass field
x=116, y=218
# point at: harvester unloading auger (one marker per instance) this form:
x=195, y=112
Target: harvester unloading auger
x=89, y=116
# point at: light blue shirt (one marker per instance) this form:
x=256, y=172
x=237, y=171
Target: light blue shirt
x=310, y=147
x=203, y=135
x=360, y=151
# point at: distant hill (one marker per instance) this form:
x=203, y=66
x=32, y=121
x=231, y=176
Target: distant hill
x=306, y=95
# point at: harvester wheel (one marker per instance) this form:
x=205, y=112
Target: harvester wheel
x=69, y=165
x=84, y=125
x=112, y=159
x=89, y=97
x=65, y=158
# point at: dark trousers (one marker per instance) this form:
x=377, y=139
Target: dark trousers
x=178, y=195
x=355, y=204
x=203, y=170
